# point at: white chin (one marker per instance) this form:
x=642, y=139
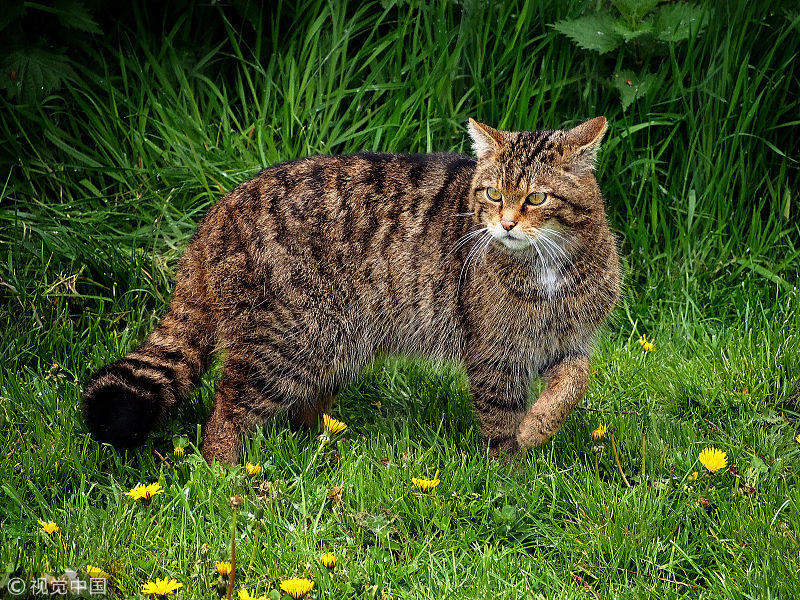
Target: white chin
x=514, y=243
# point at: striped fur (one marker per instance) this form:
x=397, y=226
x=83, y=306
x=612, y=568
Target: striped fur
x=301, y=276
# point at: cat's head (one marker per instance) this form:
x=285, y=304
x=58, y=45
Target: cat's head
x=533, y=186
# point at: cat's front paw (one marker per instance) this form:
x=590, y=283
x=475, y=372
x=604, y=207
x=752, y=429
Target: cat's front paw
x=533, y=431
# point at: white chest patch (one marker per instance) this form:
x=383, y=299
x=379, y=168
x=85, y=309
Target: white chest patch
x=549, y=279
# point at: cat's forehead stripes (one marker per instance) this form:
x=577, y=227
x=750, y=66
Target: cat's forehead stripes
x=523, y=157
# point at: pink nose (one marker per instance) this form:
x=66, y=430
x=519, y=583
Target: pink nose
x=508, y=225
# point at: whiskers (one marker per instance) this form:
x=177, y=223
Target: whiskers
x=464, y=239
x=552, y=248
x=475, y=254
x=554, y=272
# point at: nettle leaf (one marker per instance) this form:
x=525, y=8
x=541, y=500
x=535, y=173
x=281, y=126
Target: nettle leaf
x=676, y=22
x=628, y=33
x=73, y=14
x=632, y=86
x=31, y=74
x=592, y=32
x=634, y=10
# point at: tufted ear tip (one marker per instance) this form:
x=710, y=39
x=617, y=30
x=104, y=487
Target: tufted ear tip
x=485, y=140
x=589, y=132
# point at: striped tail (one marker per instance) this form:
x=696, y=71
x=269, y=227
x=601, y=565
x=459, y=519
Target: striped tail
x=123, y=401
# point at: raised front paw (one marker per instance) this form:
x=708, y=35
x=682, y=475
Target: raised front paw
x=534, y=430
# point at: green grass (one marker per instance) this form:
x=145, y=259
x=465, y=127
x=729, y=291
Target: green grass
x=105, y=180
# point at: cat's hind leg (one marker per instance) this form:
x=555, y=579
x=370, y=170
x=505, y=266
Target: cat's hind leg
x=222, y=433
x=251, y=391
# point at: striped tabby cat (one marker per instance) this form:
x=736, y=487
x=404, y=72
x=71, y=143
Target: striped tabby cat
x=302, y=276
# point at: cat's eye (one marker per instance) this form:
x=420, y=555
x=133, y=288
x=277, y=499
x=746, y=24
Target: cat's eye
x=536, y=198
x=493, y=195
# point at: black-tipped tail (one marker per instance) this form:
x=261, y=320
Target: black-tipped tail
x=121, y=406
x=123, y=401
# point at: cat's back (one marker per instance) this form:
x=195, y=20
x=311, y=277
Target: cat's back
x=344, y=187
x=352, y=205
x=376, y=228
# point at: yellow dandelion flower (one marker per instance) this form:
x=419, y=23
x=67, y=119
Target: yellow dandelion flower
x=161, y=587
x=646, y=345
x=329, y=560
x=96, y=572
x=153, y=489
x=145, y=492
x=245, y=595
x=599, y=433
x=695, y=475
x=426, y=485
x=252, y=469
x=178, y=451
x=797, y=439
x=713, y=459
x=48, y=527
x=333, y=426
x=138, y=492
x=297, y=588
x=223, y=568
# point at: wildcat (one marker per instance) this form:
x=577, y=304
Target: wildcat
x=302, y=276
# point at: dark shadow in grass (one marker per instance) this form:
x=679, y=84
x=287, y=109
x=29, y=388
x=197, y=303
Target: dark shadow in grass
x=432, y=400
x=396, y=391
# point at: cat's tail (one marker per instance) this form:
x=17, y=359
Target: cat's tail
x=123, y=401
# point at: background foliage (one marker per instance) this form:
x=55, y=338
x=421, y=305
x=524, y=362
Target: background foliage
x=122, y=124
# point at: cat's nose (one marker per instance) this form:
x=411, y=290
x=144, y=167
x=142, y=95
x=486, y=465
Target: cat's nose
x=508, y=225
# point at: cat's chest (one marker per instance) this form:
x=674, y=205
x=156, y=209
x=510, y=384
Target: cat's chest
x=531, y=325
x=550, y=280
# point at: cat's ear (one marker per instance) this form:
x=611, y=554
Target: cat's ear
x=485, y=139
x=582, y=145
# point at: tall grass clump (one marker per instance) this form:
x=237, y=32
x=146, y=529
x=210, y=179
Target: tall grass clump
x=163, y=114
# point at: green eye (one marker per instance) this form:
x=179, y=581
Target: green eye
x=493, y=195
x=536, y=198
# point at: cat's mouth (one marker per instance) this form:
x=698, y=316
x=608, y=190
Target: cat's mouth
x=510, y=239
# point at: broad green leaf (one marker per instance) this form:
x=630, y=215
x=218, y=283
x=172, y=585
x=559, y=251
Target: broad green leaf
x=676, y=22
x=634, y=10
x=628, y=33
x=632, y=86
x=72, y=14
x=36, y=72
x=592, y=32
